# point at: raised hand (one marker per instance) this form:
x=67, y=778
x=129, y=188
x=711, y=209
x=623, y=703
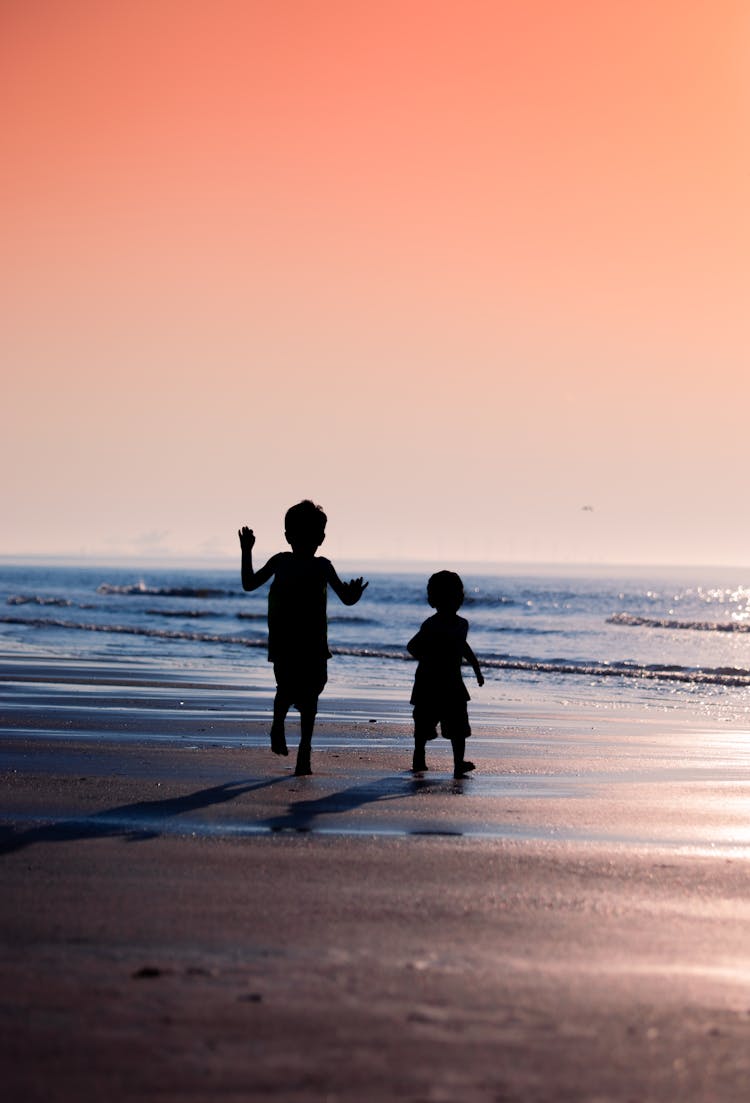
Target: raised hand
x=247, y=538
x=355, y=588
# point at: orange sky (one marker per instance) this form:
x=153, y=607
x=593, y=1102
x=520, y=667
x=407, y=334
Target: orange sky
x=453, y=269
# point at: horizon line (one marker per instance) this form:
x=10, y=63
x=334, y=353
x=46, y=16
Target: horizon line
x=227, y=561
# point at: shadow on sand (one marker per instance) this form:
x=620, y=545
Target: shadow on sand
x=145, y=820
x=304, y=815
x=135, y=822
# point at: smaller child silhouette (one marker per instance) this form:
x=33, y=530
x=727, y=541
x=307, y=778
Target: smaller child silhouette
x=297, y=623
x=439, y=695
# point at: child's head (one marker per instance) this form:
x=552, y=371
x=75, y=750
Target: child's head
x=305, y=525
x=445, y=592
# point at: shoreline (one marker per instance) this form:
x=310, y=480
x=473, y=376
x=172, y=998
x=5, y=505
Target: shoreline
x=637, y=780
x=253, y=686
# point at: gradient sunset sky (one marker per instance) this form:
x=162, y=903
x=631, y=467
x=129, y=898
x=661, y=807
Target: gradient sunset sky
x=455, y=270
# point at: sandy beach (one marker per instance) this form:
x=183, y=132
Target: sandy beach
x=182, y=918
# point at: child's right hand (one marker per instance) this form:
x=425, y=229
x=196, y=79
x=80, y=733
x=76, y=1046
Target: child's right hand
x=247, y=538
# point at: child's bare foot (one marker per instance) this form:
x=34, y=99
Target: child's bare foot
x=302, y=769
x=278, y=740
x=464, y=769
x=418, y=766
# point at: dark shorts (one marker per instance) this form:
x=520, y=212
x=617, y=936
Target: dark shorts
x=302, y=683
x=453, y=720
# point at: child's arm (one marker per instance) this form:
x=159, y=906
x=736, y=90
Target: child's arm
x=473, y=661
x=348, y=592
x=251, y=579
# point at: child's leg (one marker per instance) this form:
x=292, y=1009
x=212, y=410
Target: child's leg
x=460, y=766
x=459, y=746
x=281, y=705
x=419, y=762
x=308, y=710
x=424, y=730
x=458, y=731
x=311, y=679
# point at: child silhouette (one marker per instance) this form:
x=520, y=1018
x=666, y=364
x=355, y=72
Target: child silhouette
x=439, y=695
x=297, y=624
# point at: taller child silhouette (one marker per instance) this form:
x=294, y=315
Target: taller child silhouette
x=297, y=623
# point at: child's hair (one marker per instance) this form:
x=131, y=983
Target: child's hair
x=445, y=590
x=305, y=521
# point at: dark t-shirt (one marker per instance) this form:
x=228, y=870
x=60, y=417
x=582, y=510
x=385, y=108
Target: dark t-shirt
x=438, y=646
x=297, y=621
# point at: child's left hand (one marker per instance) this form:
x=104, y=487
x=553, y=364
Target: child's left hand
x=355, y=588
x=480, y=678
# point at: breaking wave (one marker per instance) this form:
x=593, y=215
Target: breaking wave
x=134, y=630
x=488, y=600
x=186, y=613
x=334, y=619
x=34, y=599
x=141, y=589
x=665, y=622
x=720, y=676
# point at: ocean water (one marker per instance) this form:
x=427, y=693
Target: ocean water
x=548, y=640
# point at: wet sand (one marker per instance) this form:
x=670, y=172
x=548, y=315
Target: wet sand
x=182, y=918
